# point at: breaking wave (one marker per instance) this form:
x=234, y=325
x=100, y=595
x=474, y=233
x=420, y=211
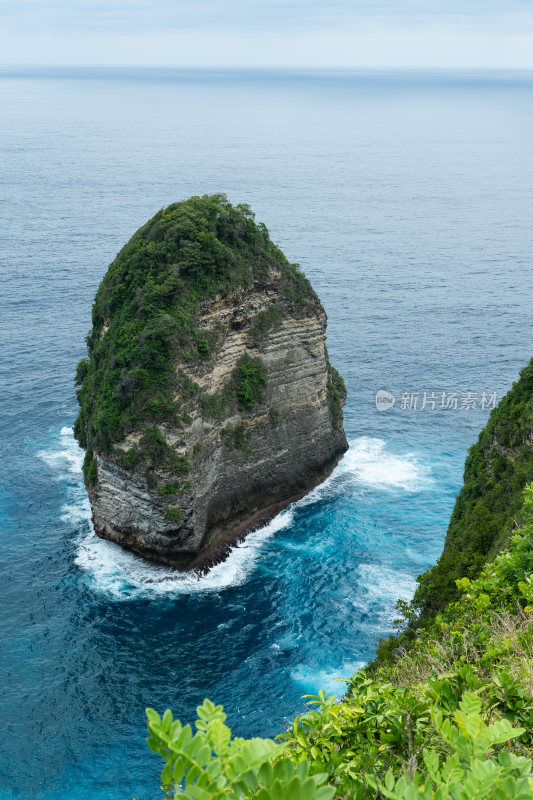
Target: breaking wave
x=372, y=464
x=110, y=569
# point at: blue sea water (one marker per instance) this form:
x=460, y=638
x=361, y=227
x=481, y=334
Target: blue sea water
x=406, y=198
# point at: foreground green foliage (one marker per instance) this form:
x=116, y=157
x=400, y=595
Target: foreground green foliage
x=211, y=765
x=449, y=718
x=469, y=772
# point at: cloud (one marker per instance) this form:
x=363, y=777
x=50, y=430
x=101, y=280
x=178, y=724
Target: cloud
x=126, y=16
x=267, y=32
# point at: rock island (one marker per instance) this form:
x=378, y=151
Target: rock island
x=207, y=401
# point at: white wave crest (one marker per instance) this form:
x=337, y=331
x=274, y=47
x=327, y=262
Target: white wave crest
x=123, y=575
x=370, y=463
x=118, y=573
x=67, y=459
x=378, y=588
x=312, y=679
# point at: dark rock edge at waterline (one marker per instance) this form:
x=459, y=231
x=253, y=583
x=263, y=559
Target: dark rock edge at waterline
x=218, y=551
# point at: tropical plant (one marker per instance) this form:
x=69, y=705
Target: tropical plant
x=211, y=765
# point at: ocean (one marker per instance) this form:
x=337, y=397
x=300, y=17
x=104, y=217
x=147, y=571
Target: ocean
x=406, y=198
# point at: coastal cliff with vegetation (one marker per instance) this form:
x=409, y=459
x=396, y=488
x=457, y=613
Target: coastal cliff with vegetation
x=207, y=400
x=489, y=506
x=445, y=712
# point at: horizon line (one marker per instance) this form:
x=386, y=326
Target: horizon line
x=270, y=68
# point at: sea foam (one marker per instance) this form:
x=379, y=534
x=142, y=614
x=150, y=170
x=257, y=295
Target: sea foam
x=370, y=462
x=378, y=588
x=110, y=569
x=124, y=575
x=312, y=679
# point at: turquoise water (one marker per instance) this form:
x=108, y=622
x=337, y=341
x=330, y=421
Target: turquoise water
x=406, y=199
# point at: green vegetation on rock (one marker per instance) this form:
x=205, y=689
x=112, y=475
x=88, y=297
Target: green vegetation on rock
x=174, y=487
x=250, y=382
x=237, y=438
x=246, y=386
x=174, y=514
x=90, y=468
x=144, y=317
x=273, y=416
x=337, y=394
x=265, y=322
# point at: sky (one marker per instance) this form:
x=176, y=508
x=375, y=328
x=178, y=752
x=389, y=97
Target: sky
x=268, y=33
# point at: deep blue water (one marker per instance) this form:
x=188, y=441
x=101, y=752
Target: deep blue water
x=407, y=201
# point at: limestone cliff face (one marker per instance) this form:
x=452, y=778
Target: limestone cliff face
x=259, y=425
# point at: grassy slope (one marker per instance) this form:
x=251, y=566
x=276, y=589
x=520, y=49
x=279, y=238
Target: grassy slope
x=482, y=643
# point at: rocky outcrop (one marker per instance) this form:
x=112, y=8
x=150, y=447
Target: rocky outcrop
x=259, y=425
